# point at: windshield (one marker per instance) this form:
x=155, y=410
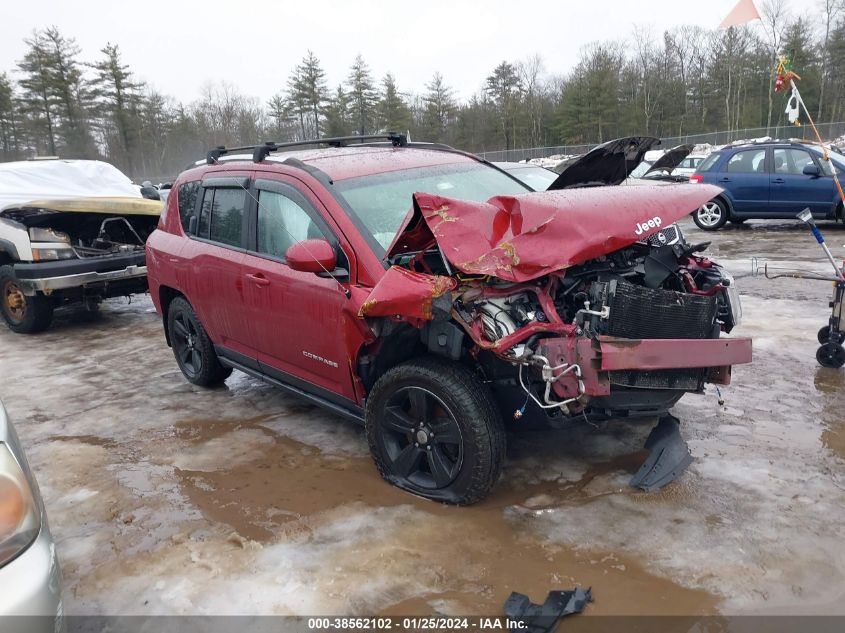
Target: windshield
x=382, y=201
x=538, y=178
x=641, y=169
x=708, y=162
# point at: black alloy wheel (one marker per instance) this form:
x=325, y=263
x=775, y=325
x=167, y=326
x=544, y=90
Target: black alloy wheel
x=421, y=439
x=192, y=347
x=185, y=345
x=434, y=430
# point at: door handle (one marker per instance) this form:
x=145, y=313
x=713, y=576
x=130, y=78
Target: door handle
x=258, y=279
x=724, y=179
x=778, y=181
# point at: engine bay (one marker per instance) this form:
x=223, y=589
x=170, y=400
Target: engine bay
x=652, y=289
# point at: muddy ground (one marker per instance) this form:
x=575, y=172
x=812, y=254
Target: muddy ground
x=165, y=498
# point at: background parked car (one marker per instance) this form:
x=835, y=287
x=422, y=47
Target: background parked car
x=688, y=166
x=536, y=177
x=30, y=581
x=70, y=231
x=768, y=181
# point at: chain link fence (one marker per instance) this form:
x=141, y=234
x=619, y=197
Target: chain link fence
x=828, y=131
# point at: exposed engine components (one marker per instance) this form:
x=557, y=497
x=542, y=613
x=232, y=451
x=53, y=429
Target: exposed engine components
x=550, y=375
x=640, y=292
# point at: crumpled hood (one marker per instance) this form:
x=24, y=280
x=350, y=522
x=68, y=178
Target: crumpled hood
x=519, y=238
x=608, y=164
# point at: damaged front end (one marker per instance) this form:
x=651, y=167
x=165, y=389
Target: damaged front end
x=562, y=300
x=83, y=248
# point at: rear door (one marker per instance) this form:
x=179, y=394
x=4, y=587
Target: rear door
x=296, y=318
x=793, y=191
x=213, y=259
x=745, y=178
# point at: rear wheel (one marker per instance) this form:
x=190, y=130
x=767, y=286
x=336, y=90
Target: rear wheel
x=711, y=216
x=23, y=314
x=192, y=348
x=434, y=430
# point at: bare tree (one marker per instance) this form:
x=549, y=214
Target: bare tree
x=530, y=73
x=774, y=16
x=831, y=10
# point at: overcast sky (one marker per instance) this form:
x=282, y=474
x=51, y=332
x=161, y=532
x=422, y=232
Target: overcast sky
x=177, y=46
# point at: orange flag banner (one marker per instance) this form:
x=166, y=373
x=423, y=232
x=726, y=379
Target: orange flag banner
x=743, y=12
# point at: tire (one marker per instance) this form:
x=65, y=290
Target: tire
x=435, y=431
x=711, y=216
x=23, y=314
x=824, y=336
x=831, y=355
x=192, y=348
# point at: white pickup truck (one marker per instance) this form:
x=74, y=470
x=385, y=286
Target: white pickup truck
x=70, y=231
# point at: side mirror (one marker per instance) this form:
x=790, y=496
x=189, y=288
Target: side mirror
x=812, y=170
x=311, y=256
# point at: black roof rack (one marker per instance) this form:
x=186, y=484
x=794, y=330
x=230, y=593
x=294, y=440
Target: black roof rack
x=260, y=152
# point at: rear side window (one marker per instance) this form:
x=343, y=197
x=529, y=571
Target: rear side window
x=221, y=215
x=749, y=161
x=707, y=163
x=282, y=223
x=187, y=201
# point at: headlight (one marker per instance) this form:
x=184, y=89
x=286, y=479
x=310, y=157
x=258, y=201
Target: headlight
x=53, y=252
x=20, y=519
x=39, y=234
x=732, y=298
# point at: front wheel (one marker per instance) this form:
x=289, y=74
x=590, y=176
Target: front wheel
x=192, y=347
x=23, y=314
x=711, y=216
x=434, y=430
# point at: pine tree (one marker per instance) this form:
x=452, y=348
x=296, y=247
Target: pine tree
x=296, y=100
x=71, y=93
x=277, y=111
x=115, y=91
x=503, y=87
x=8, y=120
x=314, y=85
x=440, y=109
x=362, y=96
x=37, y=101
x=337, y=114
x=394, y=113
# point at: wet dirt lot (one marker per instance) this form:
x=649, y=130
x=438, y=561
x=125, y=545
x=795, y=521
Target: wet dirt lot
x=165, y=498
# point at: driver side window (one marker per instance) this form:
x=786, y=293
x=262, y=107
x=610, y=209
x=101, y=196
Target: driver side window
x=281, y=224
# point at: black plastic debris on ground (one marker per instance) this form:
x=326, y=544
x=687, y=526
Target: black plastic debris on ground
x=542, y=618
x=670, y=456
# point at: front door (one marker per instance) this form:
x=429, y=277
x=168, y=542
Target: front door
x=296, y=318
x=793, y=191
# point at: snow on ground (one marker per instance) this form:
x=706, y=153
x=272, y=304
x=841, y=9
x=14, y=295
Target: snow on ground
x=167, y=498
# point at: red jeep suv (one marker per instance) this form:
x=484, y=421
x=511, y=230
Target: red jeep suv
x=430, y=295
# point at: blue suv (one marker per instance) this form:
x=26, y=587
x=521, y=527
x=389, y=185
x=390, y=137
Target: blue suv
x=767, y=181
